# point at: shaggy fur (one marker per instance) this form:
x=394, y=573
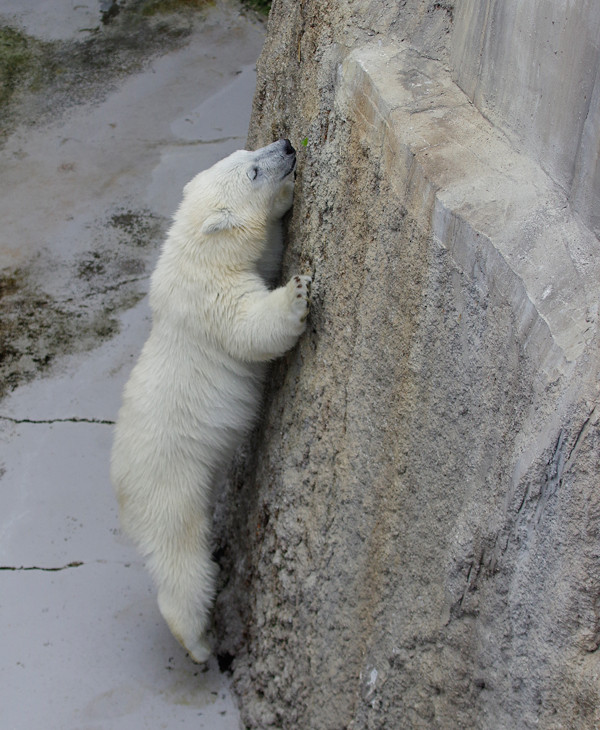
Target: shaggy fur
x=195, y=389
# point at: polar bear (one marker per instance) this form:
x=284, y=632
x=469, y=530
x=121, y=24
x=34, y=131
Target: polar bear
x=196, y=387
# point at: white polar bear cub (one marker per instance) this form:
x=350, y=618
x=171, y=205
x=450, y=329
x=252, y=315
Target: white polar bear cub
x=195, y=389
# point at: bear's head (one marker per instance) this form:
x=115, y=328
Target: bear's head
x=241, y=192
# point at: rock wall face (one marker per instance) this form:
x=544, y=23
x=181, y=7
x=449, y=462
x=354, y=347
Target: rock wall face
x=411, y=538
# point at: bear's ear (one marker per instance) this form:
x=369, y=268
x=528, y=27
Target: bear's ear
x=220, y=220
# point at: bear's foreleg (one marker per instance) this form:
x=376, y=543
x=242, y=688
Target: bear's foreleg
x=271, y=322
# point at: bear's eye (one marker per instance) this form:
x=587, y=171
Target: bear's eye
x=253, y=173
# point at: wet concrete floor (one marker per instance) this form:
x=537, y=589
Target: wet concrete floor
x=90, y=173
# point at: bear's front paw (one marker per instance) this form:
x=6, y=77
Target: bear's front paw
x=299, y=296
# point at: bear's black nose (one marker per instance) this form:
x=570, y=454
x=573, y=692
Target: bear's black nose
x=288, y=149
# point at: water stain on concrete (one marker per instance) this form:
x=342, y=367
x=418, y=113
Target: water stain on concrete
x=104, y=268
x=39, y=77
x=39, y=80
x=138, y=227
x=35, y=329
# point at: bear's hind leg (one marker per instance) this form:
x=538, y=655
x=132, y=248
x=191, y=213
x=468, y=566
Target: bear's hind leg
x=185, y=577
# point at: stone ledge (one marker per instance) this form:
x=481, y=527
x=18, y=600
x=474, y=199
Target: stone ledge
x=504, y=221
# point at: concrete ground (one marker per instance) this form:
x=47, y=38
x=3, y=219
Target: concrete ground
x=86, y=190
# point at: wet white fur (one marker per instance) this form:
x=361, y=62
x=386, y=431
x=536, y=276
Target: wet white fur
x=195, y=389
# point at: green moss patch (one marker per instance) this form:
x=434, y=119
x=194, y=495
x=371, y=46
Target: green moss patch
x=15, y=60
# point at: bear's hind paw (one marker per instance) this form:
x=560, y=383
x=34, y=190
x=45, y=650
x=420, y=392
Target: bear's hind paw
x=199, y=652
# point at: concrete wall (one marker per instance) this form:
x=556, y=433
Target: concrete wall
x=412, y=539
x=533, y=69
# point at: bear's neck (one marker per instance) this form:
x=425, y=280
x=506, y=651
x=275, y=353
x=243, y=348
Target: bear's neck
x=238, y=248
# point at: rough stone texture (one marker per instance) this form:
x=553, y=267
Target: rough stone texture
x=412, y=538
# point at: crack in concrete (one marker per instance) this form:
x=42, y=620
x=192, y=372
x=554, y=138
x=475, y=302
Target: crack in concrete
x=112, y=287
x=73, y=419
x=73, y=564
